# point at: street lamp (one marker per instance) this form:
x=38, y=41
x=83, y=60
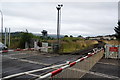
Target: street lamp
x=1, y=26
x=58, y=24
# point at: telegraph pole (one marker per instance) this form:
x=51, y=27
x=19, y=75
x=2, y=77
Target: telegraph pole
x=5, y=36
x=1, y=26
x=9, y=38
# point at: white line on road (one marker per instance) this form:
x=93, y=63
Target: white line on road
x=32, y=71
x=96, y=73
x=24, y=60
x=108, y=63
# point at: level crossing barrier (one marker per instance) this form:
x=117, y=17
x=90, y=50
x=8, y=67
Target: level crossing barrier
x=69, y=69
x=72, y=70
x=32, y=71
x=18, y=49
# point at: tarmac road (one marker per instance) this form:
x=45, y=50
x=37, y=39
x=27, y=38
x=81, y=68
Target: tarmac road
x=105, y=69
x=17, y=62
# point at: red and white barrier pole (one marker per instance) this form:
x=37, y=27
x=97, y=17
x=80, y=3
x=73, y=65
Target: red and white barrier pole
x=53, y=73
x=4, y=51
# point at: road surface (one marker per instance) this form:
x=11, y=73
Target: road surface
x=17, y=62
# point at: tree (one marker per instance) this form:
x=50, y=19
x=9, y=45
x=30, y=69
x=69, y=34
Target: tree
x=44, y=33
x=79, y=36
x=71, y=36
x=66, y=36
x=25, y=37
x=117, y=30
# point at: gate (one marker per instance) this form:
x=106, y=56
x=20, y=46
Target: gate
x=80, y=69
x=112, y=51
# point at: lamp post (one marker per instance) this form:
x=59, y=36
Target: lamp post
x=58, y=25
x=1, y=26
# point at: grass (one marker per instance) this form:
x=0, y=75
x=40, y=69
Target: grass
x=112, y=42
x=68, y=44
x=71, y=44
x=67, y=47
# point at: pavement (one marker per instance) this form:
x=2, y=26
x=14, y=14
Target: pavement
x=17, y=62
x=104, y=69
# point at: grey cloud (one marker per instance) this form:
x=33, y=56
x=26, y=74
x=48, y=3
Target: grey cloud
x=38, y=11
x=119, y=10
x=82, y=17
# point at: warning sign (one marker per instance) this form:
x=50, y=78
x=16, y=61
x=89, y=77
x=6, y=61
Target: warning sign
x=113, y=49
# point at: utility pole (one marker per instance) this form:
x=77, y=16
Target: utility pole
x=58, y=25
x=9, y=38
x=1, y=26
x=5, y=36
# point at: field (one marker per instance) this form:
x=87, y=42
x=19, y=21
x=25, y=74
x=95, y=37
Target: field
x=68, y=44
x=78, y=45
x=112, y=42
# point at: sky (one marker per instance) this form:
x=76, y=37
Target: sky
x=77, y=18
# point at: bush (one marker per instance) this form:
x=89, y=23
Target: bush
x=25, y=37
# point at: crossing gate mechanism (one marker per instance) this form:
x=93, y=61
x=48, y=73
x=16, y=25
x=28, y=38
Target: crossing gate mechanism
x=112, y=51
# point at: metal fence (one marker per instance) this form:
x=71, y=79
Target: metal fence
x=112, y=51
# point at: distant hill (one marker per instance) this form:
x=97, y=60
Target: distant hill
x=14, y=33
x=51, y=35
x=36, y=34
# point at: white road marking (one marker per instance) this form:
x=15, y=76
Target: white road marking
x=32, y=71
x=95, y=73
x=108, y=63
x=24, y=60
x=33, y=75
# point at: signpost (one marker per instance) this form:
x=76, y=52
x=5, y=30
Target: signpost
x=44, y=47
x=112, y=51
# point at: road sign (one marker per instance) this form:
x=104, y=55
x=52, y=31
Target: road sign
x=113, y=49
x=44, y=47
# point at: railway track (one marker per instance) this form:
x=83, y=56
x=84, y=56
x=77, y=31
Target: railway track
x=89, y=49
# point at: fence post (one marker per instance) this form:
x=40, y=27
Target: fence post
x=119, y=52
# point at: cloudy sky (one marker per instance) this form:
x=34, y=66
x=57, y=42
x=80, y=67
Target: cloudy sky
x=78, y=18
